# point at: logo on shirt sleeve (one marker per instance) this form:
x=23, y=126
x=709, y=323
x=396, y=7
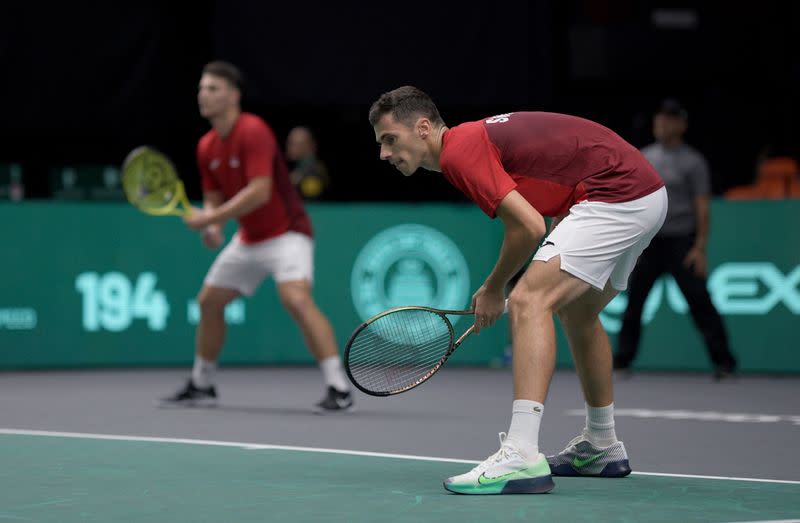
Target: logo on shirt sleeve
x=500, y=118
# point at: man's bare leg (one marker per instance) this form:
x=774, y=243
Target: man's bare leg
x=317, y=330
x=589, y=344
x=210, y=334
x=596, y=452
x=543, y=289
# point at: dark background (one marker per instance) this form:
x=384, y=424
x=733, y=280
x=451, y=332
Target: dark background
x=85, y=82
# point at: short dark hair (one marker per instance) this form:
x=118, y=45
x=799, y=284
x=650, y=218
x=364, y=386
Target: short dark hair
x=225, y=70
x=673, y=107
x=403, y=104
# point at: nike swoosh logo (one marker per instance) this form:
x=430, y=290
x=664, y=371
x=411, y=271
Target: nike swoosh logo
x=483, y=479
x=579, y=463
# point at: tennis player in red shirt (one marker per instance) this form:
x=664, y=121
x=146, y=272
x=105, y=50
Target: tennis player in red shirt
x=607, y=203
x=245, y=177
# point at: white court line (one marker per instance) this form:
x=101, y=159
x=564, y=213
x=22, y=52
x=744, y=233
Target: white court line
x=731, y=478
x=246, y=446
x=770, y=521
x=260, y=446
x=695, y=415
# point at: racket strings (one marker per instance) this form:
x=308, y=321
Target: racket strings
x=398, y=350
x=149, y=182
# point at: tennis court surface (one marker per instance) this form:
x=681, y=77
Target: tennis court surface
x=90, y=446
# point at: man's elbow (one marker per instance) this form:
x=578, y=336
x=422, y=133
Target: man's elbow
x=529, y=233
x=264, y=196
x=263, y=192
x=536, y=229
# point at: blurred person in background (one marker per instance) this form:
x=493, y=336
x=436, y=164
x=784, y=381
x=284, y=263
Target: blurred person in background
x=245, y=177
x=308, y=173
x=679, y=248
x=607, y=203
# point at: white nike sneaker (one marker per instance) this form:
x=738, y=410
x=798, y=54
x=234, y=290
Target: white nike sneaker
x=504, y=472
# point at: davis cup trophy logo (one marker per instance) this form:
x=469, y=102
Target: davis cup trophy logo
x=409, y=264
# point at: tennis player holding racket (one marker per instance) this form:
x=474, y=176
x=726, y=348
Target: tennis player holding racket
x=607, y=203
x=244, y=177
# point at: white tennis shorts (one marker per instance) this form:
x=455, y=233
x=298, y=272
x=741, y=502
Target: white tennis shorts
x=600, y=241
x=242, y=266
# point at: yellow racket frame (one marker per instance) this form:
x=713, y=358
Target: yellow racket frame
x=151, y=183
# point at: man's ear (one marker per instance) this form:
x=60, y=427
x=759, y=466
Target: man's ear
x=424, y=127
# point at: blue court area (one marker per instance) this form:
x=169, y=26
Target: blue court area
x=66, y=478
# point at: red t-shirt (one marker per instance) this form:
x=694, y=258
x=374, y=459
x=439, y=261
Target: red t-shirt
x=552, y=160
x=250, y=150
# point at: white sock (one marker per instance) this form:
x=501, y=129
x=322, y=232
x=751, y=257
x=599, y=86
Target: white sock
x=526, y=416
x=600, y=426
x=204, y=372
x=333, y=373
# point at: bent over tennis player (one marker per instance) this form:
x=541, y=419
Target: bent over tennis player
x=245, y=177
x=607, y=203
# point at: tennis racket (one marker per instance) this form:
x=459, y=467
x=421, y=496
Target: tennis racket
x=151, y=183
x=401, y=348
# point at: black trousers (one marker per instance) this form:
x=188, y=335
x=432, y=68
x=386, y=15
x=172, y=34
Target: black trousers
x=666, y=255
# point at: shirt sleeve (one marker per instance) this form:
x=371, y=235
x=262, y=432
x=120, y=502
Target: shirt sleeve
x=259, y=150
x=700, y=177
x=472, y=164
x=207, y=180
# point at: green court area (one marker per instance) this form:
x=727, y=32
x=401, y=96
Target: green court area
x=89, y=479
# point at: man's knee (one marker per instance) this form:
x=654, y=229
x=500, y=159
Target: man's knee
x=213, y=301
x=524, y=301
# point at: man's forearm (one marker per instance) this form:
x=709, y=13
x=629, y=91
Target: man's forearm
x=523, y=230
x=212, y=200
x=242, y=203
x=519, y=245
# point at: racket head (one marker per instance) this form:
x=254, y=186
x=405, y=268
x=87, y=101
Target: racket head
x=151, y=183
x=399, y=349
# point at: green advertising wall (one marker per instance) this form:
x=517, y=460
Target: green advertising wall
x=100, y=285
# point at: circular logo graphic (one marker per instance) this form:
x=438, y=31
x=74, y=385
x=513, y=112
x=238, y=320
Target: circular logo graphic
x=409, y=264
